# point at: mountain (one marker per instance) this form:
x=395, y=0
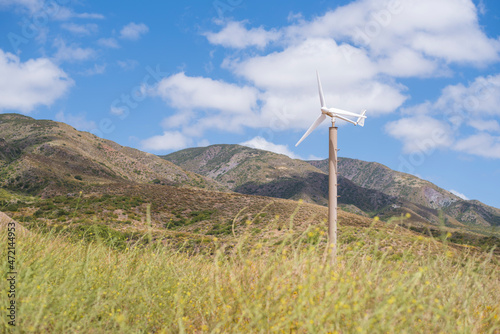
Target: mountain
x=407, y=187
x=54, y=175
x=375, y=176
x=250, y=171
x=256, y=172
x=364, y=187
x=45, y=158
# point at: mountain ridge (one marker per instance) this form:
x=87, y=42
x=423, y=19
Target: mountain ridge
x=47, y=157
x=369, y=187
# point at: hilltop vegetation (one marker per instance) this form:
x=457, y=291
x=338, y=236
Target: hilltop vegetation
x=365, y=188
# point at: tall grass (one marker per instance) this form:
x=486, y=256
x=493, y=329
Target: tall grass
x=384, y=281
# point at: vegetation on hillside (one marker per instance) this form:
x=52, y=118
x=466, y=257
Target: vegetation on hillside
x=367, y=187
x=48, y=158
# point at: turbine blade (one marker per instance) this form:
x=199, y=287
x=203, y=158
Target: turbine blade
x=317, y=122
x=361, y=119
x=320, y=89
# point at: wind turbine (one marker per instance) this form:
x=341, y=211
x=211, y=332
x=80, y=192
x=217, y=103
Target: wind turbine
x=332, y=161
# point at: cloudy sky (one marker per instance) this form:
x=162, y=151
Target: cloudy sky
x=162, y=76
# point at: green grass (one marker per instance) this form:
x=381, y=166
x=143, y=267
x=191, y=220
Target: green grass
x=385, y=280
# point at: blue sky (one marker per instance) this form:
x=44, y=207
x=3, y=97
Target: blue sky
x=162, y=76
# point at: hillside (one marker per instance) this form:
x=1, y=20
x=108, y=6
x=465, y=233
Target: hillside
x=256, y=172
x=52, y=174
x=364, y=188
x=47, y=158
x=407, y=187
x=251, y=171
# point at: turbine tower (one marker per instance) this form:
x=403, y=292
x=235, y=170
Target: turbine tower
x=332, y=161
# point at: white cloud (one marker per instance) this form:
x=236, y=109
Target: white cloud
x=96, y=69
x=483, y=125
x=169, y=140
x=289, y=83
x=421, y=133
x=31, y=5
x=81, y=29
x=482, y=144
x=235, y=35
x=456, y=193
x=189, y=93
x=65, y=13
x=52, y=9
x=118, y=111
x=447, y=29
x=128, y=64
x=415, y=36
x=133, y=31
x=407, y=63
x=459, y=108
x=94, y=16
x=480, y=97
x=72, y=52
x=108, y=42
x=482, y=7
x=361, y=50
x=262, y=144
x=180, y=119
x=79, y=122
x=24, y=85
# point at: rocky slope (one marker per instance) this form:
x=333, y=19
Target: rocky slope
x=364, y=187
x=46, y=157
x=409, y=188
x=251, y=171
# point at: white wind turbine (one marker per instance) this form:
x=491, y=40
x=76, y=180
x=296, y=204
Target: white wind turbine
x=332, y=161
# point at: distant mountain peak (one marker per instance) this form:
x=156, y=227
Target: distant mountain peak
x=369, y=186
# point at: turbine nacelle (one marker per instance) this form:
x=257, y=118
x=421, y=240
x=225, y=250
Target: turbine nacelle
x=333, y=113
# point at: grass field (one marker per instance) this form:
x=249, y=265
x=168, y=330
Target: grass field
x=385, y=281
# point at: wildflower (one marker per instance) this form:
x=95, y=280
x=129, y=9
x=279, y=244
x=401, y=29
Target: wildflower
x=408, y=215
x=376, y=218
